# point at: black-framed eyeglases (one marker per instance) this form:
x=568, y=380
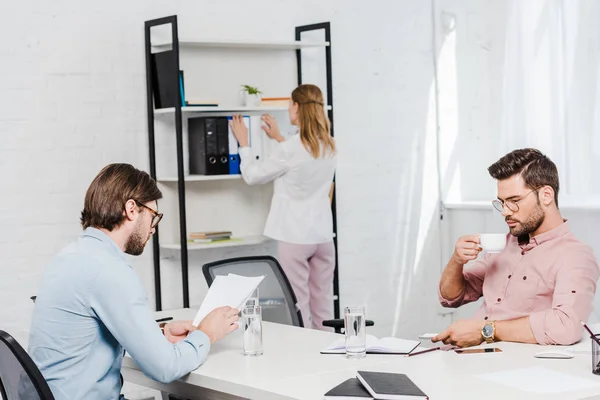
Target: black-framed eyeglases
x=156, y=216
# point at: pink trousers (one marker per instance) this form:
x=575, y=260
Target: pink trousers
x=309, y=268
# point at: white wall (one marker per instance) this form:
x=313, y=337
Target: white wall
x=73, y=100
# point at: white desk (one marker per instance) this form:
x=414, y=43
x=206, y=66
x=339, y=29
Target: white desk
x=292, y=368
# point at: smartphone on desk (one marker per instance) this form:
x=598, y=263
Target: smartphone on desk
x=477, y=351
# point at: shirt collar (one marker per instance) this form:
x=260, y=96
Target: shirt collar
x=103, y=237
x=557, y=232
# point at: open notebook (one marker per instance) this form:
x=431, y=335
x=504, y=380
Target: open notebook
x=387, y=345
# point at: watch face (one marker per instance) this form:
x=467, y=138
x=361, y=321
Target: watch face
x=487, y=330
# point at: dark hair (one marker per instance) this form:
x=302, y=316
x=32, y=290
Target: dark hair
x=109, y=191
x=536, y=169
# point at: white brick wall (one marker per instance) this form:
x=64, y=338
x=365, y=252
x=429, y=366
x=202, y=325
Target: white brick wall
x=72, y=84
x=72, y=99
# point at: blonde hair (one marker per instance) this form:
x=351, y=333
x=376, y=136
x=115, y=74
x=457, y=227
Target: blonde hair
x=312, y=121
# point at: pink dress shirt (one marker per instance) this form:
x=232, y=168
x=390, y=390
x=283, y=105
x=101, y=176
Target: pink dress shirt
x=551, y=279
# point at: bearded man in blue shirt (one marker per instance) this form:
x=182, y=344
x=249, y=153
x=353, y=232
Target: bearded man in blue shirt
x=91, y=306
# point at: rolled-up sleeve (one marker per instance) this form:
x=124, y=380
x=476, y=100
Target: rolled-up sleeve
x=120, y=303
x=474, y=274
x=572, y=301
x=256, y=172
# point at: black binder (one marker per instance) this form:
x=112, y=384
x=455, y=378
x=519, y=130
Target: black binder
x=208, y=146
x=223, y=145
x=165, y=79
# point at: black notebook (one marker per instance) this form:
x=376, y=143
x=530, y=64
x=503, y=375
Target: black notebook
x=351, y=389
x=387, y=386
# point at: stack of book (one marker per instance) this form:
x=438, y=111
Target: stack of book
x=275, y=101
x=209, y=237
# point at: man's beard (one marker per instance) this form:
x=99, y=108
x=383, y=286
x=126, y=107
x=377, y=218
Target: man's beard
x=524, y=229
x=136, y=242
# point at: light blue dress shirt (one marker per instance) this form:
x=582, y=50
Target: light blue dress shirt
x=90, y=309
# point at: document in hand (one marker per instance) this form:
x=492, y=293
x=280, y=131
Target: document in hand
x=387, y=345
x=227, y=290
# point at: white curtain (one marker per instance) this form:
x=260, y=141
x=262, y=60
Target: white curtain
x=551, y=85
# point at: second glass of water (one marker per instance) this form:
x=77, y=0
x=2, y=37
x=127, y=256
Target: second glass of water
x=355, y=330
x=254, y=299
x=252, y=331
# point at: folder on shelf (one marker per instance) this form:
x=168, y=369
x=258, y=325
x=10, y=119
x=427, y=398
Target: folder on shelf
x=208, y=145
x=181, y=86
x=165, y=77
x=203, y=147
x=234, y=157
x=223, y=146
x=256, y=136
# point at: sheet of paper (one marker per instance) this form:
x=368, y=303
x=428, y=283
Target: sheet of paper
x=394, y=345
x=540, y=380
x=227, y=290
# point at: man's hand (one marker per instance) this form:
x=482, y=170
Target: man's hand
x=219, y=323
x=467, y=249
x=463, y=333
x=176, y=331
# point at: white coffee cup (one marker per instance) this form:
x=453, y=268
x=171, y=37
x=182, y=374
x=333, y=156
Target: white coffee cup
x=492, y=242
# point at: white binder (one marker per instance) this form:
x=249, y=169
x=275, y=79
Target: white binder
x=257, y=137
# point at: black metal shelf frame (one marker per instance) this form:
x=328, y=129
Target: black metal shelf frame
x=150, y=90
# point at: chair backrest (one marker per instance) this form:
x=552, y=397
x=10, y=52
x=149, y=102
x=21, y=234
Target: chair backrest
x=277, y=298
x=20, y=378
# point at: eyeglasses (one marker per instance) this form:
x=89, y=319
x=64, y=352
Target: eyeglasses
x=512, y=205
x=156, y=216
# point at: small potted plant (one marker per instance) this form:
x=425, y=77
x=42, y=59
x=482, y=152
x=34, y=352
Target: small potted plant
x=252, y=96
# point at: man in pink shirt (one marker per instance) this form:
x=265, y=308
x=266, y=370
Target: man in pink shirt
x=542, y=285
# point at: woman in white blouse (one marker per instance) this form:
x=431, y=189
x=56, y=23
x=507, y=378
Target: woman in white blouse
x=300, y=216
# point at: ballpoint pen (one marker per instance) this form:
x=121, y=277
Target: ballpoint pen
x=423, y=351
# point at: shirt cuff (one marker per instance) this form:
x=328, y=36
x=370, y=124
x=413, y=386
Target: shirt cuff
x=451, y=303
x=245, y=152
x=199, y=339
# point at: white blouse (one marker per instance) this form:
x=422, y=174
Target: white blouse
x=300, y=210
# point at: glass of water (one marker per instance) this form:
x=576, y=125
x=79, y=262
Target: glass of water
x=253, y=300
x=355, y=330
x=252, y=331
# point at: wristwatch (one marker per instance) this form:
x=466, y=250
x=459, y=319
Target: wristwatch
x=488, y=331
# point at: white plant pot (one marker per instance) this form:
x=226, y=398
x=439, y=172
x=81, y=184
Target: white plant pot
x=252, y=100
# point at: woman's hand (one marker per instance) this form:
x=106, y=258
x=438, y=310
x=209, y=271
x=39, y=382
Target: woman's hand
x=271, y=128
x=239, y=129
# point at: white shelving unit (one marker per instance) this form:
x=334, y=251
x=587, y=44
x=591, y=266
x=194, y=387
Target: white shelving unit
x=240, y=44
x=211, y=109
x=214, y=70
x=219, y=109
x=199, y=178
x=245, y=241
